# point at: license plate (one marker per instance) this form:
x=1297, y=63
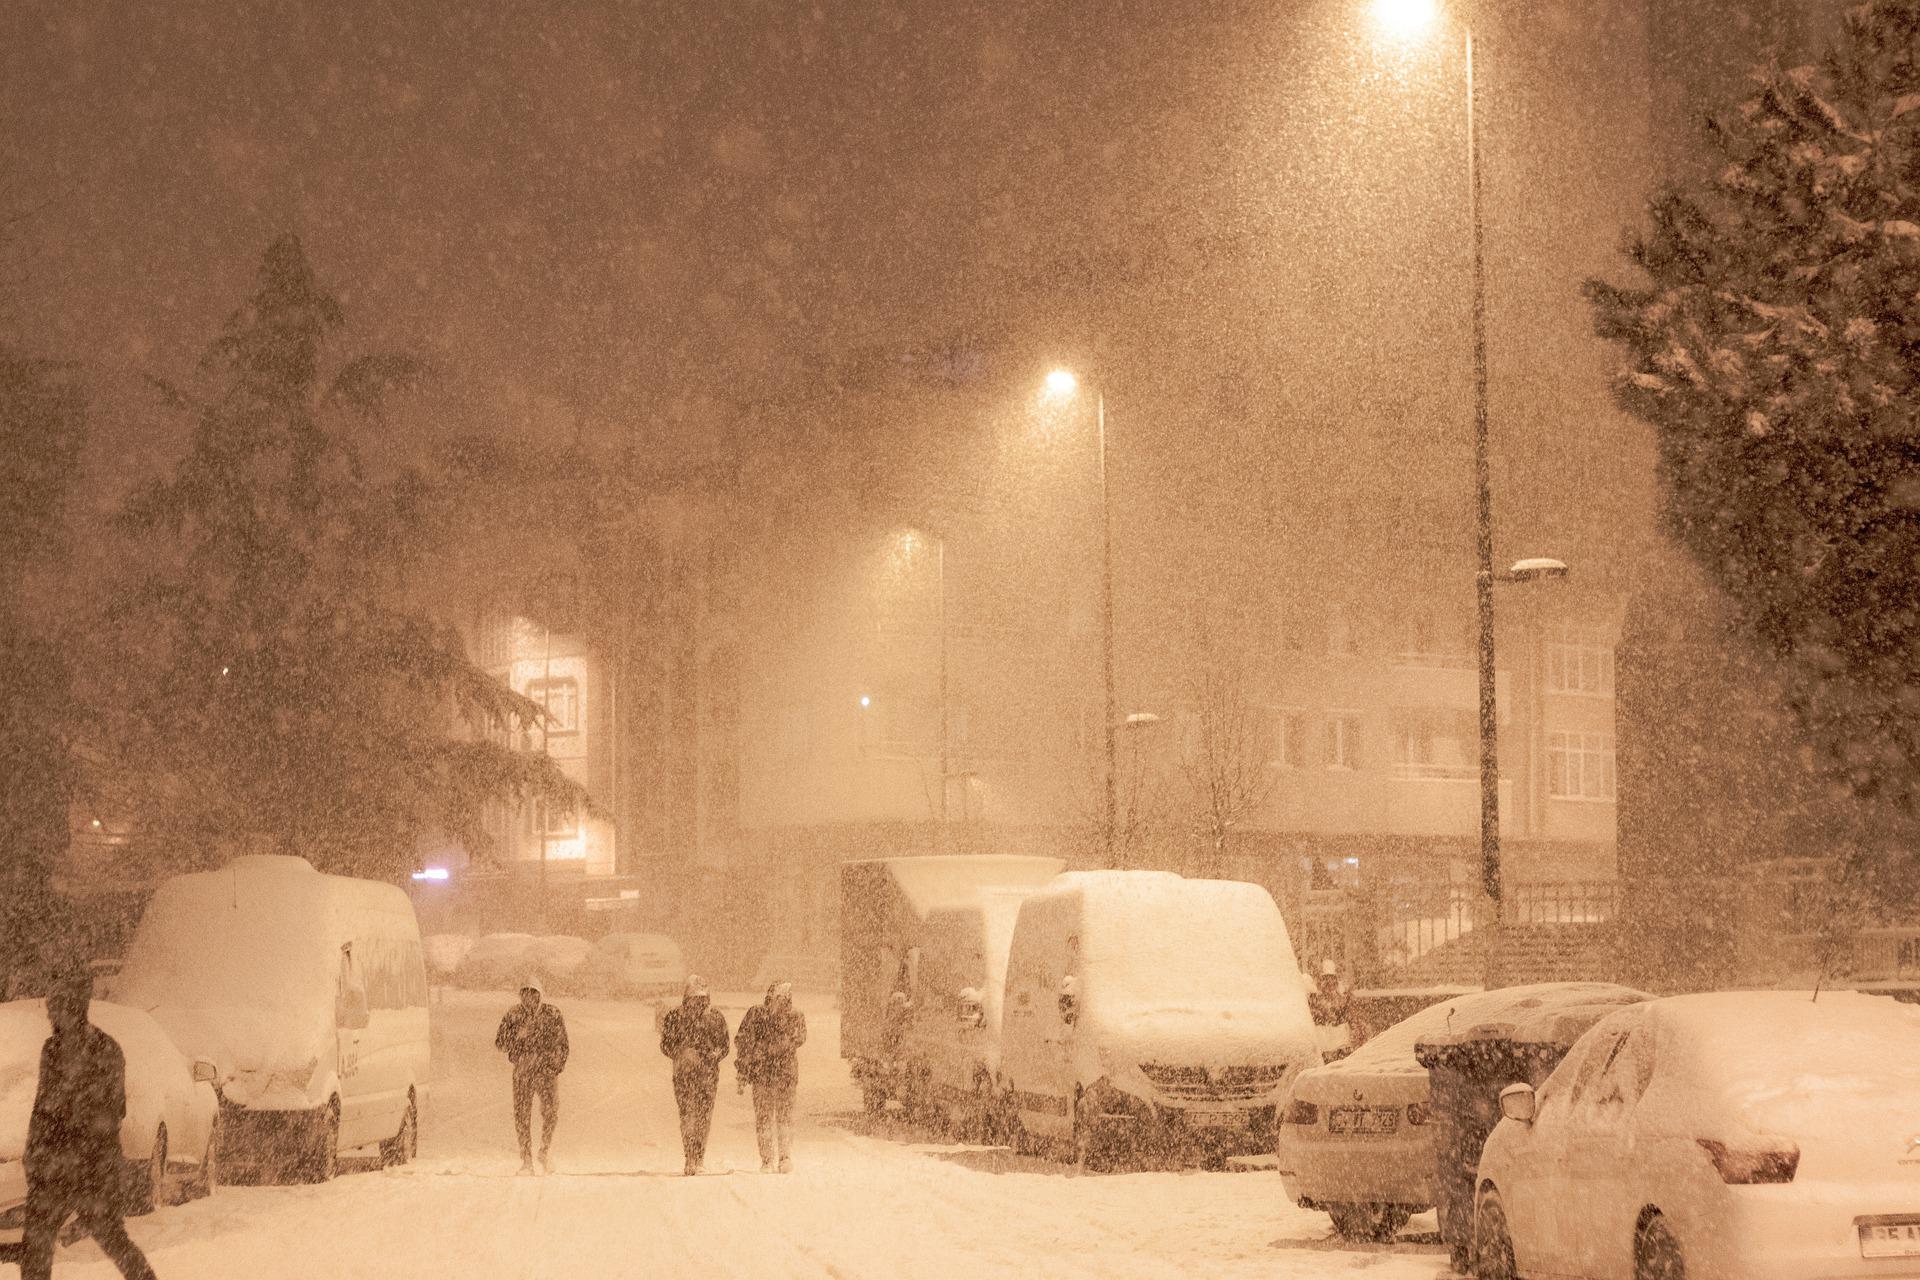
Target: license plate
x=1890, y=1237
x=1216, y=1119
x=1364, y=1120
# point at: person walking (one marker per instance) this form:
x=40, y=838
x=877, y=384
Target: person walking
x=694, y=1036
x=533, y=1035
x=73, y=1162
x=767, y=1057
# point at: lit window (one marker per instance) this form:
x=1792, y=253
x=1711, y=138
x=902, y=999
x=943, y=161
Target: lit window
x=560, y=699
x=556, y=822
x=1579, y=659
x=1580, y=766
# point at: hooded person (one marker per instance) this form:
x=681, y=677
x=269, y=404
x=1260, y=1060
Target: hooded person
x=533, y=1035
x=694, y=1036
x=72, y=1159
x=767, y=1058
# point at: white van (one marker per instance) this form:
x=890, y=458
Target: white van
x=309, y=994
x=1145, y=1010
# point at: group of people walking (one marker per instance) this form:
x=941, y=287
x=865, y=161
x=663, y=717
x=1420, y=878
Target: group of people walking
x=694, y=1036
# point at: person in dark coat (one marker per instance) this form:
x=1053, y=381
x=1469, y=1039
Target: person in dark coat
x=767, y=1057
x=533, y=1035
x=694, y=1035
x=73, y=1162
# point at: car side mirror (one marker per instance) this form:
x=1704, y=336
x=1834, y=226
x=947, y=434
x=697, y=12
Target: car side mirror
x=205, y=1073
x=1517, y=1102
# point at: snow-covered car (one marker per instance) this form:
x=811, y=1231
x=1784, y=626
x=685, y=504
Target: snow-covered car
x=502, y=961
x=1356, y=1139
x=445, y=953
x=631, y=964
x=1757, y=1135
x=170, y=1136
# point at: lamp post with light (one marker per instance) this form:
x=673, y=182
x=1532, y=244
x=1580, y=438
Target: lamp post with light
x=1407, y=18
x=1061, y=383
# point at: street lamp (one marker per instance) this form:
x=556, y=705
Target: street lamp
x=909, y=539
x=1406, y=19
x=1061, y=384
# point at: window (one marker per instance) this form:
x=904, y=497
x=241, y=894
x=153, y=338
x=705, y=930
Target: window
x=558, y=822
x=1435, y=743
x=1343, y=740
x=1286, y=738
x=1580, y=766
x=1435, y=638
x=1580, y=660
x=560, y=699
x=1340, y=634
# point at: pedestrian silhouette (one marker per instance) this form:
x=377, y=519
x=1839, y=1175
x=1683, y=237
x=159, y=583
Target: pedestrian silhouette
x=533, y=1035
x=73, y=1163
x=695, y=1036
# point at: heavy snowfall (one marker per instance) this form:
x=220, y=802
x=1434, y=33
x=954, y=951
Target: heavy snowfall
x=1191, y=638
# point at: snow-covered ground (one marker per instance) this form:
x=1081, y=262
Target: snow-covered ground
x=867, y=1200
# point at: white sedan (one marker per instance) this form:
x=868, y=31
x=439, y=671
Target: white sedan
x=1757, y=1135
x=170, y=1136
x=1356, y=1140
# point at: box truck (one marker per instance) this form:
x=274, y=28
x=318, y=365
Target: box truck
x=1149, y=1012
x=923, y=957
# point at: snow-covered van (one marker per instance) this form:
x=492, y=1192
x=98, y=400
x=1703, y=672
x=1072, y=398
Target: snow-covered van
x=923, y=956
x=309, y=994
x=1148, y=1011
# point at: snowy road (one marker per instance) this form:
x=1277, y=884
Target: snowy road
x=866, y=1201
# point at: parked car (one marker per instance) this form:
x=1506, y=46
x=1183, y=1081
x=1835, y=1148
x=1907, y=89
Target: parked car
x=171, y=1134
x=631, y=965
x=308, y=992
x=502, y=961
x=1356, y=1139
x=1742, y=1134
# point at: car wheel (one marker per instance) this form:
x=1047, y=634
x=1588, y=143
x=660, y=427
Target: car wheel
x=1492, y=1244
x=1092, y=1145
x=405, y=1144
x=321, y=1160
x=209, y=1176
x=147, y=1183
x=1370, y=1221
x=1656, y=1254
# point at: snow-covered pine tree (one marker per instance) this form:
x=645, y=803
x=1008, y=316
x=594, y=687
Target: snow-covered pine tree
x=1775, y=350
x=276, y=687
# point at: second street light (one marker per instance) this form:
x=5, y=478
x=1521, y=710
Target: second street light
x=1062, y=384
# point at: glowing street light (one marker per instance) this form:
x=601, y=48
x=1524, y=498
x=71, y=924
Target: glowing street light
x=1061, y=384
x=1406, y=19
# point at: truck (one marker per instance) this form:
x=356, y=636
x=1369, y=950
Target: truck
x=923, y=953
x=1146, y=1012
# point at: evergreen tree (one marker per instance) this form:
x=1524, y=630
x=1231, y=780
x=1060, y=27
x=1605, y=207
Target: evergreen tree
x=1775, y=349
x=277, y=690
x=42, y=432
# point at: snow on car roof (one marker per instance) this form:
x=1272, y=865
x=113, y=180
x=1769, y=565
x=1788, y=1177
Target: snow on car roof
x=1547, y=1013
x=24, y=1028
x=1391, y=1051
x=1771, y=1034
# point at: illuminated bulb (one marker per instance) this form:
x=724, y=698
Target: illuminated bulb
x=1406, y=17
x=1061, y=382
x=865, y=701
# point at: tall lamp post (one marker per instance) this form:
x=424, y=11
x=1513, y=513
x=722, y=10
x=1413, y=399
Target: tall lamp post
x=908, y=538
x=1061, y=383
x=1407, y=17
